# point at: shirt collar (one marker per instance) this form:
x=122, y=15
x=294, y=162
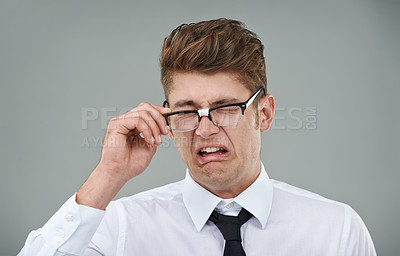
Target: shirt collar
x=200, y=203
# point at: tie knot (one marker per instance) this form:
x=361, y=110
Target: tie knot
x=230, y=225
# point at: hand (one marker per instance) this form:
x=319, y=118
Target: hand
x=125, y=153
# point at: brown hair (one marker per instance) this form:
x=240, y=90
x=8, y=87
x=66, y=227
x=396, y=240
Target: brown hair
x=220, y=45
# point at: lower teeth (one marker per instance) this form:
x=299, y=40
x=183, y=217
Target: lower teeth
x=203, y=154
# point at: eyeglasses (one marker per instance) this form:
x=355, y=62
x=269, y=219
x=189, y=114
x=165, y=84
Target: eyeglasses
x=224, y=115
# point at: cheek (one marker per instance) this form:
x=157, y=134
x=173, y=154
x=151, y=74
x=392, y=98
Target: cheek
x=246, y=139
x=256, y=121
x=183, y=143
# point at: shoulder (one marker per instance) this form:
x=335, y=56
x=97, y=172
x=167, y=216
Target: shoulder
x=287, y=193
x=333, y=221
x=298, y=204
x=290, y=202
x=135, y=209
x=165, y=194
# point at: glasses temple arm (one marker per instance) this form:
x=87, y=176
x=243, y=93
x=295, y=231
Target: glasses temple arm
x=248, y=103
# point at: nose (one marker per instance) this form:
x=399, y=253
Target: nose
x=206, y=127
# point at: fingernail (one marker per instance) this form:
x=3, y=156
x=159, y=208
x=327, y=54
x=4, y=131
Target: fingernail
x=166, y=129
x=152, y=140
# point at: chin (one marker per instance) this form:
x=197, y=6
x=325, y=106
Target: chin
x=213, y=169
x=215, y=172
x=215, y=176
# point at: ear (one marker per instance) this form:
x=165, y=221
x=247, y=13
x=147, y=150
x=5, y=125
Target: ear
x=170, y=134
x=266, y=108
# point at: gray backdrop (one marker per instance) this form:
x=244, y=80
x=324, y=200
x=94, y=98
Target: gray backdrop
x=67, y=67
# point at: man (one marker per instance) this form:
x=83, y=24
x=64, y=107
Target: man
x=214, y=79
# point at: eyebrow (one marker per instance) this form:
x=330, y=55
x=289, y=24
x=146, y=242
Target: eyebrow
x=187, y=103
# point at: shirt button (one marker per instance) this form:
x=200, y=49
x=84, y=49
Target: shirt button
x=229, y=206
x=69, y=217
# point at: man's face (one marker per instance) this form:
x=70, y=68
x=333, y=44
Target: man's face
x=230, y=171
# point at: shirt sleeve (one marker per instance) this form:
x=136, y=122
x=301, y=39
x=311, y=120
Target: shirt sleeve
x=356, y=240
x=68, y=232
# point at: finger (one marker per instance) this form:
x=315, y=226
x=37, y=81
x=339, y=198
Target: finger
x=143, y=128
x=154, y=126
x=159, y=119
x=156, y=112
x=122, y=123
x=126, y=124
x=161, y=109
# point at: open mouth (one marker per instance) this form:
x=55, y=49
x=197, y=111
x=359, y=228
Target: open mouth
x=212, y=151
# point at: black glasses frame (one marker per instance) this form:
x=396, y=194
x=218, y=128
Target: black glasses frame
x=200, y=112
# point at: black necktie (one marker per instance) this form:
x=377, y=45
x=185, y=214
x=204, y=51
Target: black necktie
x=230, y=229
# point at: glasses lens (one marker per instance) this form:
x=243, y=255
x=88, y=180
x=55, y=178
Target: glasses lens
x=183, y=121
x=226, y=115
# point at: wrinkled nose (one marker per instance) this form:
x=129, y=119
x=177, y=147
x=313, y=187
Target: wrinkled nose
x=206, y=127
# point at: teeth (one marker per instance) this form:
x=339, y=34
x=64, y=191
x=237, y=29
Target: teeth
x=210, y=149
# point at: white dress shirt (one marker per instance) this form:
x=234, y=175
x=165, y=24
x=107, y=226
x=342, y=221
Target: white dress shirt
x=173, y=220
